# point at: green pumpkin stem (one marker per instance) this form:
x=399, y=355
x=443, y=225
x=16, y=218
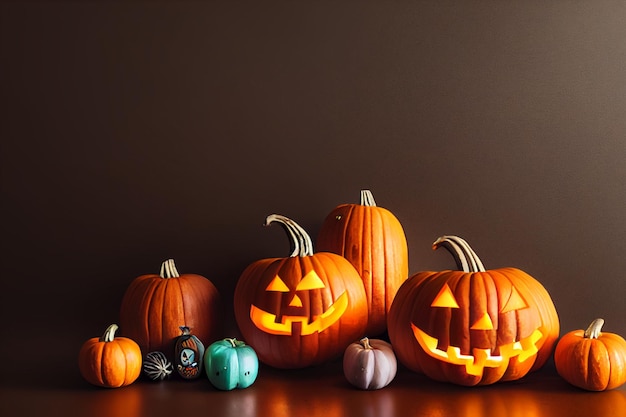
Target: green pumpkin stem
x=301, y=243
x=464, y=256
x=367, y=199
x=168, y=269
x=594, y=329
x=109, y=333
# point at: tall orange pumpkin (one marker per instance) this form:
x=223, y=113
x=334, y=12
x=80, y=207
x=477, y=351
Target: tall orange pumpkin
x=373, y=240
x=155, y=306
x=300, y=310
x=473, y=326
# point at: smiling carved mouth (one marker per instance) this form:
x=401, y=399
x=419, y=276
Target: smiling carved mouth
x=481, y=358
x=267, y=321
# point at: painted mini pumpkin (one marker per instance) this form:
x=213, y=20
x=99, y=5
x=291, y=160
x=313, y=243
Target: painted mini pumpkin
x=373, y=240
x=473, y=326
x=301, y=310
x=110, y=361
x=369, y=364
x=155, y=305
x=156, y=366
x=592, y=360
x=188, y=354
x=230, y=364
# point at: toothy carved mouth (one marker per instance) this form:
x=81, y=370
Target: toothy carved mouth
x=267, y=321
x=481, y=358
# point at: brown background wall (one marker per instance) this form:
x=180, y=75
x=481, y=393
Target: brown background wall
x=133, y=132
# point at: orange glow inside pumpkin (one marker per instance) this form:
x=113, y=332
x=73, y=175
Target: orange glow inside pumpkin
x=480, y=358
x=268, y=322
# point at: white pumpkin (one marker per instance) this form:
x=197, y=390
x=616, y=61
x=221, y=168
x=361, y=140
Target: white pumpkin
x=369, y=364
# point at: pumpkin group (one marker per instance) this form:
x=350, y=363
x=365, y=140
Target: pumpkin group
x=591, y=359
x=110, y=361
x=472, y=326
x=303, y=309
x=155, y=306
x=373, y=240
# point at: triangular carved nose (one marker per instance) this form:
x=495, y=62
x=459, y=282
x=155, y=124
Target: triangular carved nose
x=483, y=323
x=295, y=302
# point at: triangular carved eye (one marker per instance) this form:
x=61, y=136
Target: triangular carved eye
x=311, y=281
x=515, y=302
x=445, y=298
x=277, y=284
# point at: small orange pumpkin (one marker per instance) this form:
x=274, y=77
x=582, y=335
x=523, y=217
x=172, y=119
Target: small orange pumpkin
x=373, y=240
x=591, y=359
x=110, y=361
x=301, y=310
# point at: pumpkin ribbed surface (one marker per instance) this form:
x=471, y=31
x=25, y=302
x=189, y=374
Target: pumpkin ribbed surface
x=301, y=310
x=591, y=359
x=155, y=306
x=110, y=361
x=475, y=326
x=373, y=240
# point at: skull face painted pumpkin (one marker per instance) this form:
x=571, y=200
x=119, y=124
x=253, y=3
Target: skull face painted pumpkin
x=301, y=310
x=473, y=326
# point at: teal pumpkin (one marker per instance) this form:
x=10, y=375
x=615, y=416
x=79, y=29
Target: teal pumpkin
x=230, y=364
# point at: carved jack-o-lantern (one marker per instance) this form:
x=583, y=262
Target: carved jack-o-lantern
x=472, y=327
x=300, y=310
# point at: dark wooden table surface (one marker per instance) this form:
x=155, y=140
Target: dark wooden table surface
x=50, y=385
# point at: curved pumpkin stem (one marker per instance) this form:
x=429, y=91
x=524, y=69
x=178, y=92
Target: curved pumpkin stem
x=594, y=329
x=301, y=243
x=234, y=342
x=365, y=342
x=464, y=256
x=168, y=269
x=367, y=199
x=109, y=333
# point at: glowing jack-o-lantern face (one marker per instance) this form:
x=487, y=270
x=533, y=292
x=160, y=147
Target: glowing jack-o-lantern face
x=301, y=310
x=476, y=344
x=474, y=326
x=273, y=324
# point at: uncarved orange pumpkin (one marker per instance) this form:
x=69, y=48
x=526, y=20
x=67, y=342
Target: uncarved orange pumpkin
x=472, y=326
x=110, y=361
x=373, y=240
x=155, y=306
x=592, y=359
x=300, y=310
